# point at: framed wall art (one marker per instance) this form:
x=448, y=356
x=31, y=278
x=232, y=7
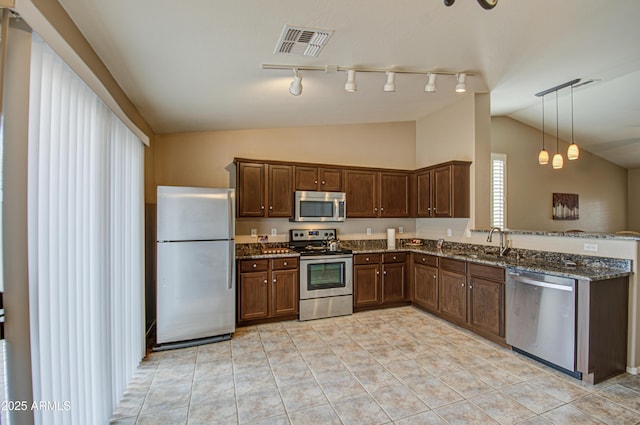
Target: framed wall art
x=565, y=206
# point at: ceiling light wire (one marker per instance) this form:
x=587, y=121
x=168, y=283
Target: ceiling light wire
x=543, y=156
x=573, y=152
x=557, y=161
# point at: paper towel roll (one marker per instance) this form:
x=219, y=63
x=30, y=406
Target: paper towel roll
x=391, y=238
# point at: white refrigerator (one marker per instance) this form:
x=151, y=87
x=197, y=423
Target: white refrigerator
x=196, y=294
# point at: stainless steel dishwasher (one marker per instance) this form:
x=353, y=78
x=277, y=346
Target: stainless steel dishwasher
x=541, y=318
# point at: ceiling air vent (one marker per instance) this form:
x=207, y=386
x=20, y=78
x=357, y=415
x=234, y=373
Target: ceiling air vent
x=302, y=41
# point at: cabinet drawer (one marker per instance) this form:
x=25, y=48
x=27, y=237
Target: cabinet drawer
x=429, y=260
x=487, y=272
x=394, y=257
x=254, y=265
x=367, y=258
x=285, y=263
x=453, y=265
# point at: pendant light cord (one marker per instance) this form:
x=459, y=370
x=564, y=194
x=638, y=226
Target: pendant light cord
x=557, y=126
x=572, y=140
x=542, y=122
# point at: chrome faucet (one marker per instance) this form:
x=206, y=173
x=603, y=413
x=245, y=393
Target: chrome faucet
x=504, y=243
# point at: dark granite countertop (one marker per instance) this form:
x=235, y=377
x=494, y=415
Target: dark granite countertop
x=559, y=264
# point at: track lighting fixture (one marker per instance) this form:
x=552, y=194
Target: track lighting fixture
x=390, y=86
x=351, y=84
x=485, y=4
x=431, y=83
x=295, y=88
x=461, y=87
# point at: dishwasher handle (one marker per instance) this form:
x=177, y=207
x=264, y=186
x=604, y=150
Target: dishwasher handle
x=543, y=284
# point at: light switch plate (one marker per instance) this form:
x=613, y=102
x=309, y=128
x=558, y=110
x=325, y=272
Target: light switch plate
x=449, y=232
x=593, y=247
x=400, y=229
x=369, y=231
x=274, y=231
x=254, y=233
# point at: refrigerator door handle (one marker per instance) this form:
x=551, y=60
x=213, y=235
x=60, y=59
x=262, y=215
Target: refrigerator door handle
x=232, y=262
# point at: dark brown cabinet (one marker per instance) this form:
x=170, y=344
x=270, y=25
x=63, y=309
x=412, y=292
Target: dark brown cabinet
x=267, y=288
x=453, y=290
x=486, y=299
x=379, y=280
x=264, y=190
x=425, y=281
x=373, y=194
x=366, y=280
x=318, y=178
x=443, y=190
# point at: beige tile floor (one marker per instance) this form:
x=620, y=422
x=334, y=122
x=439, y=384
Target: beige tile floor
x=396, y=366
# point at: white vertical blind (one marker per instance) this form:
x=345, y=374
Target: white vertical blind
x=85, y=246
x=498, y=190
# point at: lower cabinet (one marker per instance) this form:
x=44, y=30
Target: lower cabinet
x=468, y=294
x=267, y=288
x=379, y=279
x=425, y=281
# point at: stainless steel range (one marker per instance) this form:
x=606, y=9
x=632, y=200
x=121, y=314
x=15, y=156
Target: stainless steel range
x=326, y=274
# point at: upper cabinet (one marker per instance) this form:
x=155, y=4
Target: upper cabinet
x=444, y=190
x=318, y=178
x=264, y=190
x=373, y=193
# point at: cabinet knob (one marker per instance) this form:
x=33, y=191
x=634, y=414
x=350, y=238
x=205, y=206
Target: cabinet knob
x=394, y=257
x=366, y=259
x=381, y=208
x=271, y=207
x=424, y=259
x=375, y=209
x=274, y=281
x=384, y=272
x=435, y=277
x=462, y=284
x=261, y=207
x=377, y=272
x=316, y=182
x=285, y=263
x=254, y=265
x=322, y=181
x=470, y=287
x=265, y=281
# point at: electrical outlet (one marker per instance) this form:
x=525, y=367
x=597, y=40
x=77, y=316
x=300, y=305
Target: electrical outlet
x=468, y=233
x=274, y=231
x=449, y=232
x=254, y=233
x=369, y=231
x=400, y=229
x=593, y=247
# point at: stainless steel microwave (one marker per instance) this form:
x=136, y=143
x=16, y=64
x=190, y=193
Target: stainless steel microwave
x=320, y=206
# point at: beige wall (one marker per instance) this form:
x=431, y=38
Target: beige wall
x=633, y=200
x=601, y=185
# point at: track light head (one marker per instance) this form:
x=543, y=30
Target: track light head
x=295, y=88
x=390, y=86
x=461, y=87
x=351, y=85
x=431, y=83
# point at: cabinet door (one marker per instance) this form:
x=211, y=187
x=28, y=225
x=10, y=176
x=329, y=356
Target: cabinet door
x=251, y=189
x=330, y=179
x=486, y=305
x=280, y=191
x=393, y=282
x=423, y=203
x=453, y=295
x=366, y=285
x=442, y=192
x=426, y=286
x=394, y=194
x=253, y=295
x=361, y=188
x=306, y=178
x=284, y=292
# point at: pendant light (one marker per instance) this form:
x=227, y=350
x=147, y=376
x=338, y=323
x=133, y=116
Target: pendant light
x=543, y=156
x=573, y=152
x=557, y=161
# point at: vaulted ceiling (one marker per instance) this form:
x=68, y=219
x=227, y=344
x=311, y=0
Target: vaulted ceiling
x=195, y=65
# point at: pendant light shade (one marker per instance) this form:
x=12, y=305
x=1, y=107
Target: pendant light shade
x=543, y=157
x=351, y=85
x=557, y=161
x=573, y=152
